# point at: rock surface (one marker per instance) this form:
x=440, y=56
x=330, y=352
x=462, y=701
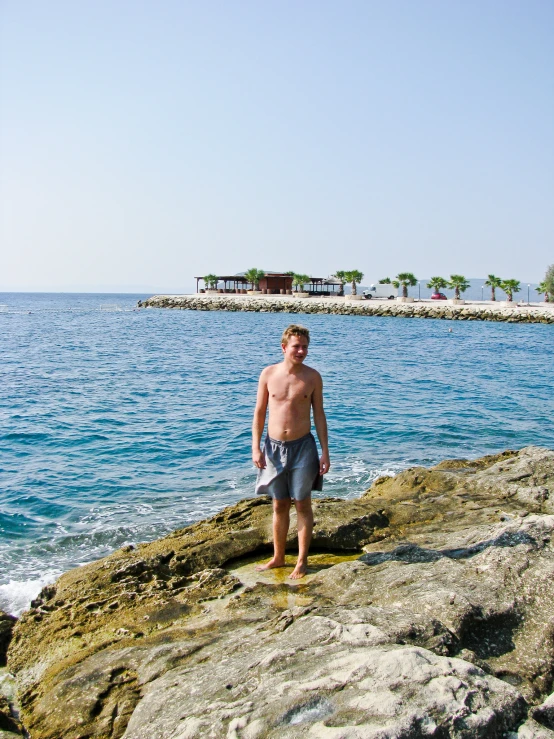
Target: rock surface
x=428, y=612
x=508, y=312
x=9, y=723
x=6, y=627
x=545, y=712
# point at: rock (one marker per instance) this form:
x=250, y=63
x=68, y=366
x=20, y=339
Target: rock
x=532, y=730
x=427, y=612
x=9, y=726
x=9, y=723
x=544, y=713
x=6, y=627
x=387, y=691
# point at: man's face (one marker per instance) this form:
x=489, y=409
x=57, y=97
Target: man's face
x=296, y=350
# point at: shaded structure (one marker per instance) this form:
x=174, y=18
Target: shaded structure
x=273, y=283
x=232, y=283
x=325, y=286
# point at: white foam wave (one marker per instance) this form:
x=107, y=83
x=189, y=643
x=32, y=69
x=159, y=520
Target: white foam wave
x=16, y=595
x=350, y=477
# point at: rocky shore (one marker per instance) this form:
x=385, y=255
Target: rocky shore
x=427, y=612
x=507, y=312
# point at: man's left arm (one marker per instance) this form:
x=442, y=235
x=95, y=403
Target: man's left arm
x=321, y=425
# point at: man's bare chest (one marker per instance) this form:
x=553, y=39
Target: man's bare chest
x=282, y=390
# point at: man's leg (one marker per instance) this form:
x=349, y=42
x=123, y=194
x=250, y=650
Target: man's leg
x=305, y=523
x=281, y=521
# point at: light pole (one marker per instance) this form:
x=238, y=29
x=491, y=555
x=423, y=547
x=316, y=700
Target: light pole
x=528, y=288
x=419, y=290
x=482, y=288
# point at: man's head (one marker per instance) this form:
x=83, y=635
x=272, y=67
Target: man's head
x=295, y=341
x=294, y=330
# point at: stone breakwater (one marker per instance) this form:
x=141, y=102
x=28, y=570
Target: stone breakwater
x=510, y=313
x=427, y=611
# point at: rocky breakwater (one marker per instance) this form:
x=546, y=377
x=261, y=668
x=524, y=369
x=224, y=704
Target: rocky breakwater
x=427, y=612
x=267, y=304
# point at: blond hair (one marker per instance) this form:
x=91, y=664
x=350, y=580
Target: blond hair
x=294, y=330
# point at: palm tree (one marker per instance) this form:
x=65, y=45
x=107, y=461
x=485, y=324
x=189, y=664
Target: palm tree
x=354, y=276
x=549, y=283
x=541, y=288
x=405, y=279
x=437, y=284
x=300, y=280
x=384, y=281
x=493, y=282
x=254, y=276
x=459, y=284
x=340, y=275
x=210, y=281
x=510, y=287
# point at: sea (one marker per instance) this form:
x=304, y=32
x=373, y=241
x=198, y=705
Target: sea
x=119, y=425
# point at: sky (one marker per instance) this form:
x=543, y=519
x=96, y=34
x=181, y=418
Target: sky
x=144, y=143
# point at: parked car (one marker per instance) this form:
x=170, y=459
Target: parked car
x=438, y=296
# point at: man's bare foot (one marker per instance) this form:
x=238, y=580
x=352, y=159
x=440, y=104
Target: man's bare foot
x=299, y=571
x=274, y=562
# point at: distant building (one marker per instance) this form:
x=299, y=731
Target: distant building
x=273, y=283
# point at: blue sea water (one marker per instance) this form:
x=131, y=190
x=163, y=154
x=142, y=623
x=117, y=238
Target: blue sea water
x=119, y=425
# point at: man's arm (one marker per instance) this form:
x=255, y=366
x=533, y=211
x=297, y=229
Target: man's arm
x=321, y=424
x=258, y=423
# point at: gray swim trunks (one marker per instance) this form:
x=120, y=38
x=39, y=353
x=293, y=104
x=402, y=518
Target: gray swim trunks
x=292, y=469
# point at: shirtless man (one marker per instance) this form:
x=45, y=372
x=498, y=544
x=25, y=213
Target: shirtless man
x=289, y=467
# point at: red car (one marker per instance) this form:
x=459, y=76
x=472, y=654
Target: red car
x=438, y=296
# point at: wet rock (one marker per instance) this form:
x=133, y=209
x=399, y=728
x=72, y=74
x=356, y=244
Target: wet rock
x=430, y=613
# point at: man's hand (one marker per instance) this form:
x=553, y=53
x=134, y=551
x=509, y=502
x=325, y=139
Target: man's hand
x=324, y=463
x=258, y=457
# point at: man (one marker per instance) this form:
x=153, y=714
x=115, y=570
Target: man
x=289, y=467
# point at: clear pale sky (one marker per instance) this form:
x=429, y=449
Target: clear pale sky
x=143, y=143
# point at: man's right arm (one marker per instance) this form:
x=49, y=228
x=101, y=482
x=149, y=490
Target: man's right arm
x=258, y=423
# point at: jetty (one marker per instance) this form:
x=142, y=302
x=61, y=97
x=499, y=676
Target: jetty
x=346, y=306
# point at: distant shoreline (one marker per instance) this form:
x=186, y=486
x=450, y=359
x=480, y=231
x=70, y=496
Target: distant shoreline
x=468, y=311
